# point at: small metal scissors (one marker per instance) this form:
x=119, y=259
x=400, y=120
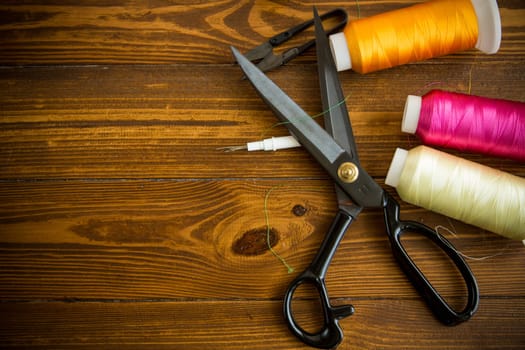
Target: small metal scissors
x=335, y=149
x=264, y=52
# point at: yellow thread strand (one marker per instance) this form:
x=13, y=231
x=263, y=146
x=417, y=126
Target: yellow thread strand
x=430, y=29
x=474, y=62
x=268, y=229
x=464, y=190
x=470, y=80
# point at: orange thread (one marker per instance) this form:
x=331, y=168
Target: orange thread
x=431, y=29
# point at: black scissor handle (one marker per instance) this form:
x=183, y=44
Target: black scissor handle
x=441, y=309
x=289, y=33
x=331, y=334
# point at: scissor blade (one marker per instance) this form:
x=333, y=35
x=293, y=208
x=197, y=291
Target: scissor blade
x=313, y=137
x=331, y=156
x=270, y=62
x=336, y=118
x=259, y=52
x=336, y=121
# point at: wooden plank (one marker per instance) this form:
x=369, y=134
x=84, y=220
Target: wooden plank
x=122, y=226
x=67, y=32
x=142, y=122
x=207, y=239
x=385, y=324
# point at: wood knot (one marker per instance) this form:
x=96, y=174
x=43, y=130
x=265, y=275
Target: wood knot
x=299, y=210
x=254, y=242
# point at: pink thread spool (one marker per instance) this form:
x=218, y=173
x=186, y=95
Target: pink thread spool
x=467, y=123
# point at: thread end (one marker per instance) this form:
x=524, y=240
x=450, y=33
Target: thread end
x=340, y=52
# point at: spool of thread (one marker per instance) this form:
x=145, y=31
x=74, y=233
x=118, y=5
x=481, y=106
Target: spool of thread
x=431, y=29
x=461, y=189
x=467, y=123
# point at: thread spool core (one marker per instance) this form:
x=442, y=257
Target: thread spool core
x=411, y=114
x=489, y=25
x=396, y=167
x=340, y=51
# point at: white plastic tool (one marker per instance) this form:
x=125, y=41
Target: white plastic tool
x=270, y=144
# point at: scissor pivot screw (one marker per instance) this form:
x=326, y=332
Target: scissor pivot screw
x=348, y=172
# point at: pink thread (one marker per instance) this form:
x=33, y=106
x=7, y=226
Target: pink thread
x=472, y=123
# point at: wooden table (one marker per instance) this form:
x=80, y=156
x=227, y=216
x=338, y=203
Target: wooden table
x=123, y=227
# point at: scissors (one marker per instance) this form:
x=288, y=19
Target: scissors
x=335, y=149
x=264, y=52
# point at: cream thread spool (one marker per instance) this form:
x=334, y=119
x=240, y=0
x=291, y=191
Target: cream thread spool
x=470, y=192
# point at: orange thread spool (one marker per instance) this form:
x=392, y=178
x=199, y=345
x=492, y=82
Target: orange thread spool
x=431, y=29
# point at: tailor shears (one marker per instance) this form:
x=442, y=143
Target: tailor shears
x=268, y=60
x=334, y=148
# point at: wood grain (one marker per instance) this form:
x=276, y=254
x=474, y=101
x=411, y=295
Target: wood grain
x=201, y=325
x=161, y=32
x=141, y=239
x=165, y=122
x=122, y=225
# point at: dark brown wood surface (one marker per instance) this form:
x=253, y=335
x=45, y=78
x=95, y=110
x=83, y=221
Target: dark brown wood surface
x=123, y=227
